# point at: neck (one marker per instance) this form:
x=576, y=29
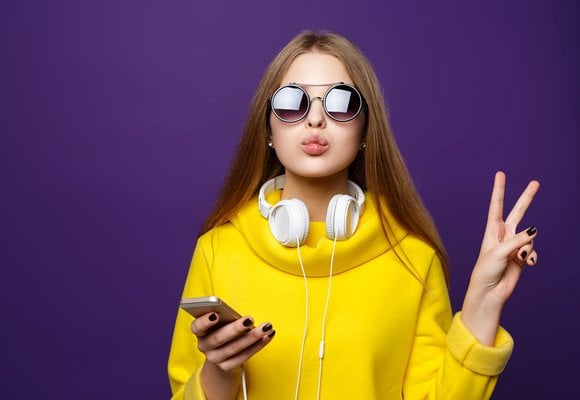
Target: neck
x=315, y=192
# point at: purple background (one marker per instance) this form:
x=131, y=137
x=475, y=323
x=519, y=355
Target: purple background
x=119, y=119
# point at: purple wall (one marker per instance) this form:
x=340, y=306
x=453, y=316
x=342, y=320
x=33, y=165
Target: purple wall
x=118, y=120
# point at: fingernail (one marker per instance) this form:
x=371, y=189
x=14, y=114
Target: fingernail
x=524, y=254
x=271, y=334
x=531, y=230
x=533, y=259
x=247, y=322
x=212, y=317
x=267, y=327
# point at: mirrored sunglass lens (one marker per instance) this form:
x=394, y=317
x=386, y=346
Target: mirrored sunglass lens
x=342, y=103
x=290, y=103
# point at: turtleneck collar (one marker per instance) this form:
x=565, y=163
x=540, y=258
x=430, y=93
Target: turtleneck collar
x=367, y=242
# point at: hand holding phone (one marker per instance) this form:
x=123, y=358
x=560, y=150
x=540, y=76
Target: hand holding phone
x=228, y=348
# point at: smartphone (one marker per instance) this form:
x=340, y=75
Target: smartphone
x=198, y=306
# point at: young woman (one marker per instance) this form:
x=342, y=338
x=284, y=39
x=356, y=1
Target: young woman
x=319, y=235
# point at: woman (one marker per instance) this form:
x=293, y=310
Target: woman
x=346, y=288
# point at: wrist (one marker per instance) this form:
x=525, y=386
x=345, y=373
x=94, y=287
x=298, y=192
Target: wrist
x=481, y=314
x=218, y=383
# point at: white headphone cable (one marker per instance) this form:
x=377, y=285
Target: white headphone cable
x=306, y=300
x=323, y=329
x=244, y=388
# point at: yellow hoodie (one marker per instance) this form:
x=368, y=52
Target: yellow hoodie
x=387, y=337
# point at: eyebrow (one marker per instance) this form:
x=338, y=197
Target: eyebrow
x=315, y=84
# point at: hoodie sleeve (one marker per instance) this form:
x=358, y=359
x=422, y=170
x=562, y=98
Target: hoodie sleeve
x=446, y=361
x=185, y=361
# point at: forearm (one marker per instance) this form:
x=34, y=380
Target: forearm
x=448, y=361
x=481, y=314
x=219, y=384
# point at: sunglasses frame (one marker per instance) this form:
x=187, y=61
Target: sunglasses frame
x=323, y=99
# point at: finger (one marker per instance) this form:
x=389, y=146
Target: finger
x=240, y=344
x=524, y=201
x=524, y=252
x=214, y=339
x=511, y=245
x=532, y=258
x=243, y=356
x=200, y=326
x=495, y=213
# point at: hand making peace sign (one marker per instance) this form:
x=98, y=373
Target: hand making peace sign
x=502, y=258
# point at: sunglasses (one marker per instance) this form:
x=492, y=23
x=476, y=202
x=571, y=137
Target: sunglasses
x=341, y=102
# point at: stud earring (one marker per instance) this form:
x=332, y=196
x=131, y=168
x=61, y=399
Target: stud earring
x=363, y=146
x=270, y=144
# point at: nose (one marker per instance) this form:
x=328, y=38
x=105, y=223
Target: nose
x=316, y=117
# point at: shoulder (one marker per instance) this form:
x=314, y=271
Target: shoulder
x=245, y=222
x=412, y=250
x=217, y=235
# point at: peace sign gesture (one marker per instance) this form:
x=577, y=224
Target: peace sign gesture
x=502, y=257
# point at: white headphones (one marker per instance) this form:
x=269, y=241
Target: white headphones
x=289, y=219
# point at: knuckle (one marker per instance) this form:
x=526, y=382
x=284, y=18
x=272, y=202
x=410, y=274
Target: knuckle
x=201, y=346
x=212, y=357
x=193, y=328
x=257, y=333
x=227, y=366
x=216, y=341
x=198, y=327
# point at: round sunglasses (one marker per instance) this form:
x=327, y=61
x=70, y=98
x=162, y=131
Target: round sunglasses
x=341, y=102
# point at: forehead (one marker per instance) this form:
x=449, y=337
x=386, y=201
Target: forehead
x=315, y=68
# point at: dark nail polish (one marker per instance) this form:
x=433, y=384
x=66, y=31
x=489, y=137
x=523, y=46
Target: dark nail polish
x=266, y=327
x=531, y=230
x=271, y=334
x=533, y=259
x=212, y=317
x=247, y=322
x=524, y=254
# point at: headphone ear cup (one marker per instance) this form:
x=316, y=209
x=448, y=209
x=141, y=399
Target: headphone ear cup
x=341, y=217
x=289, y=221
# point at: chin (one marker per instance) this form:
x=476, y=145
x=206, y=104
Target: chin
x=320, y=174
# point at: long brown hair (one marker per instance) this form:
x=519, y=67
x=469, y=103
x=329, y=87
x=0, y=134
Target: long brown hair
x=379, y=169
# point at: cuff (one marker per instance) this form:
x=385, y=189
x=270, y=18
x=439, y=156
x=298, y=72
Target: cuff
x=193, y=389
x=483, y=360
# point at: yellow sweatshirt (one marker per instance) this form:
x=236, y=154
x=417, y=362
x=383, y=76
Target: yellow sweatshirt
x=387, y=337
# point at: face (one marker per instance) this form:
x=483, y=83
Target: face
x=316, y=146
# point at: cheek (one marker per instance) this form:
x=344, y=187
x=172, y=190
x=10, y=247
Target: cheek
x=353, y=135
x=274, y=128
x=280, y=133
